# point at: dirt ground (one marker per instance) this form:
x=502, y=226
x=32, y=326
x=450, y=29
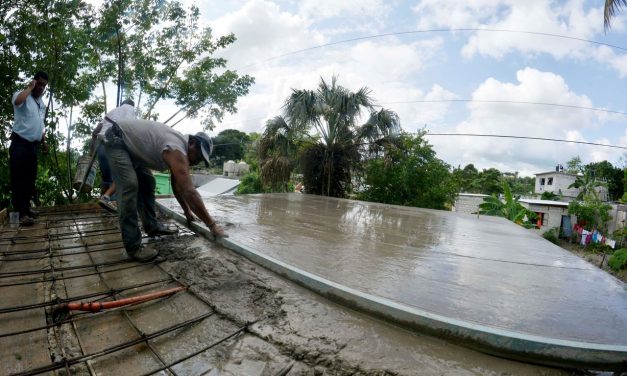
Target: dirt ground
x=597, y=259
x=295, y=332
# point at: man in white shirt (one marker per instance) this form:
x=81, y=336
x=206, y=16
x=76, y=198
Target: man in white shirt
x=125, y=111
x=27, y=134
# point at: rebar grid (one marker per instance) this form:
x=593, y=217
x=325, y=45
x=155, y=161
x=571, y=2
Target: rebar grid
x=125, y=313
x=57, y=276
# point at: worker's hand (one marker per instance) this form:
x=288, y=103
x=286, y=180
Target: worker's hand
x=31, y=85
x=44, y=147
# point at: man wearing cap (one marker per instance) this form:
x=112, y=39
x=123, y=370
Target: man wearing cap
x=135, y=146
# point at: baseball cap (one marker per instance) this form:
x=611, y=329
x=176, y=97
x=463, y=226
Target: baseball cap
x=206, y=146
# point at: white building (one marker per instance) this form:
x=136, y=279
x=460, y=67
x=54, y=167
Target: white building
x=551, y=214
x=558, y=182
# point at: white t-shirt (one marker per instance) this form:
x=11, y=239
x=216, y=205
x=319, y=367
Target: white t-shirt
x=125, y=111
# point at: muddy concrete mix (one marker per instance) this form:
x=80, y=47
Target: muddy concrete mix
x=295, y=332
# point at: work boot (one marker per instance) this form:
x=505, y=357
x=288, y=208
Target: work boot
x=25, y=220
x=162, y=230
x=33, y=213
x=144, y=253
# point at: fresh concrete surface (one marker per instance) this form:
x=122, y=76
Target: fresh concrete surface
x=481, y=280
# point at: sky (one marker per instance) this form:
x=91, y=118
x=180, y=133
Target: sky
x=425, y=57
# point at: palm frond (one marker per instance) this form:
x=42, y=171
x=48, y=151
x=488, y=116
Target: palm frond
x=611, y=8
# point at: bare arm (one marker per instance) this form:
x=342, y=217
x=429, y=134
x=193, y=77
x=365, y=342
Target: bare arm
x=21, y=97
x=94, y=136
x=179, y=170
x=188, y=214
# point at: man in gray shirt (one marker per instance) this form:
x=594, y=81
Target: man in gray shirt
x=135, y=146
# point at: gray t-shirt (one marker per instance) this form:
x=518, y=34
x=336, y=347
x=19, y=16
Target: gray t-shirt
x=146, y=140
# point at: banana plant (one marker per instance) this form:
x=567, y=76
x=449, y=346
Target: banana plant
x=509, y=208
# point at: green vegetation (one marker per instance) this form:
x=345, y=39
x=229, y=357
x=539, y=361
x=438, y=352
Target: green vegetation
x=546, y=195
x=490, y=181
x=591, y=213
x=552, y=235
x=410, y=174
x=618, y=260
x=150, y=50
x=277, y=151
x=250, y=183
x=329, y=156
x=229, y=145
x=510, y=208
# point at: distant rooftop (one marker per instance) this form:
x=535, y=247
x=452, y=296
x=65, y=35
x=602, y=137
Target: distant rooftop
x=556, y=172
x=472, y=194
x=544, y=202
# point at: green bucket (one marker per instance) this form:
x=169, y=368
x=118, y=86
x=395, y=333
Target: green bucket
x=164, y=187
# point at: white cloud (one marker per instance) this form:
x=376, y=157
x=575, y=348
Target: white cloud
x=263, y=30
x=565, y=18
x=353, y=10
x=524, y=120
x=385, y=66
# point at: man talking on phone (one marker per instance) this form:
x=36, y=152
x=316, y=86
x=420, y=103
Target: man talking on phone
x=26, y=136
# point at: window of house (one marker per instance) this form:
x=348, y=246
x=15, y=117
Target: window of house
x=542, y=181
x=550, y=181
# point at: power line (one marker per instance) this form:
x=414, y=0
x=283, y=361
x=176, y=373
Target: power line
x=526, y=138
x=492, y=135
x=410, y=32
x=510, y=102
x=597, y=109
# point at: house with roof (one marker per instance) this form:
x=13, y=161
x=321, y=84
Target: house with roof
x=558, y=182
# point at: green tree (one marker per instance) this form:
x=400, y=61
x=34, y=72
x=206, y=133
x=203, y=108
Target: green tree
x=331, y=112
x=152, y=50
x=520, y=185
x=49, y=36
x=410, y=174
x=574, y=165
x=230, y=144
x=591, y=213
x=468, y=177
x=277, y=151
x=613, y=176
x=490, y=181
x=510, y=208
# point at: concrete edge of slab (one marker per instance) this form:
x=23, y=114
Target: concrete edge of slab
x=492, y=340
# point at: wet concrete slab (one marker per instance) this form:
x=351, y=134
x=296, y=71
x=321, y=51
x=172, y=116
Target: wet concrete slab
x=479, y=271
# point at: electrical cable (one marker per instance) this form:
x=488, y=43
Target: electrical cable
x=425, y=31
x=526, y=138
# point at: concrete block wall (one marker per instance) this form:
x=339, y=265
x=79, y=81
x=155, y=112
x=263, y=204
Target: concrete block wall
x=468, y=203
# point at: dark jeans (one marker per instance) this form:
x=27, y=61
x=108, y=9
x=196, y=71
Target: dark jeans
x=135, y=188
x=23, y=170
x=105, y=170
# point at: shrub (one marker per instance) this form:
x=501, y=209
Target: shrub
x=618, y=260
x=551, y=235
x=600, y=248
x=250, y=183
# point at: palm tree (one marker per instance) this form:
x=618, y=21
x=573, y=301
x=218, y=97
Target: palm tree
x=277, y=151
x=331, y=112
x=611, y=8
x=587, y=185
